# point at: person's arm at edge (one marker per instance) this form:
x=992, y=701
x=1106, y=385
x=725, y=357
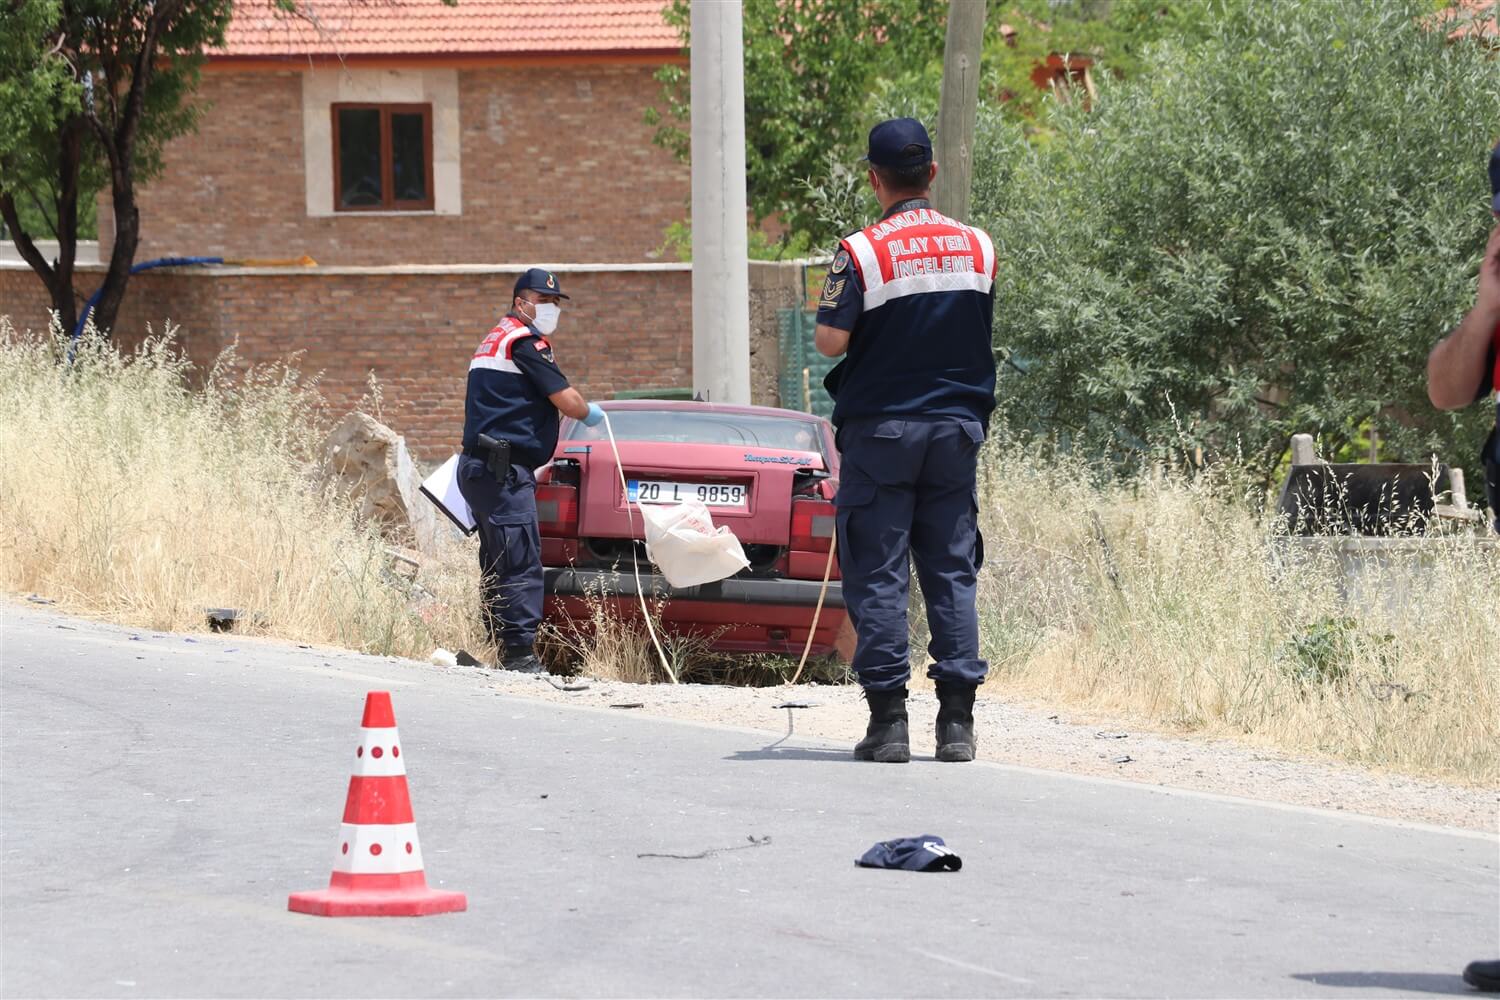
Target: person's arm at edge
x=534, y=358
x=830, y=340
x=570, y=403
x=1455, y=368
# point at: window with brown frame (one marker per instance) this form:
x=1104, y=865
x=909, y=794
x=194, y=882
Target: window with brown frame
x=382, y=157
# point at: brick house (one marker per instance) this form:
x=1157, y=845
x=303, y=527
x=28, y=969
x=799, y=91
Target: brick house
x=412, y=132
x=423, y=155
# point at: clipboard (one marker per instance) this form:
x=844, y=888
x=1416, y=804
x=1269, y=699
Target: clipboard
x=442, y=489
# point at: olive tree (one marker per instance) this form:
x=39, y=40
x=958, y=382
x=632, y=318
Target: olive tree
x=1261, y=236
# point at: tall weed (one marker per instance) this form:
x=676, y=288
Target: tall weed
x=134, y=488
x=1174, y=598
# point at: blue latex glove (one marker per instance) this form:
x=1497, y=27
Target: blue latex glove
x=595, y=415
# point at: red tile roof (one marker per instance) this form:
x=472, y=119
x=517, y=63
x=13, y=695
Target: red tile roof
x=430, y=27
x=1471, y=19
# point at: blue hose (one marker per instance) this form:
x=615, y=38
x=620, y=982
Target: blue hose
x=88, y=306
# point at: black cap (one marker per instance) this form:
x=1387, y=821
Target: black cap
x=892, y=142
x=926, y=853
x=538, y=279
x=1495, y=178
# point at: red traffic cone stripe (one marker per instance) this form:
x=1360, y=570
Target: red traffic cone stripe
x=378, y=801
x=378, y=711
x=377, y=870
x=403, y=881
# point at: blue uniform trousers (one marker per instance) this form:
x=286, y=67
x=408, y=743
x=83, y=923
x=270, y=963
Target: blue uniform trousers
x=907, y=486
x=510, y=550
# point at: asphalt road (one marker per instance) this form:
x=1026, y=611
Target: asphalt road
x=163, y=795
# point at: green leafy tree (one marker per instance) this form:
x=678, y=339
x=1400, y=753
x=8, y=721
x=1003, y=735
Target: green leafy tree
x=810, y=68
x=90, y=92
x=1262, y=233
x=819, y=73
x=1114, y=35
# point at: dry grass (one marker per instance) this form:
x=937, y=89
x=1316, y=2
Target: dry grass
x=610, y=646
x=124, y=492
x=1170, y=600
x=131, y=491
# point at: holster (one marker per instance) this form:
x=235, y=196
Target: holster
x=496, y=456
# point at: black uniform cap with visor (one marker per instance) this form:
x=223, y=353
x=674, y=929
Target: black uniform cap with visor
x=899, y=142
x=538, y=279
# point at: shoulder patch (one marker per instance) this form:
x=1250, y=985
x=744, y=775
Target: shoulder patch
x=840, y=261
x=831, y=290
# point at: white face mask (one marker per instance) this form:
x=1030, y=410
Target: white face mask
x=544, y=317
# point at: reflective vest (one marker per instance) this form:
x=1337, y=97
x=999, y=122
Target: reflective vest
x=503, y=402
x=922, y=344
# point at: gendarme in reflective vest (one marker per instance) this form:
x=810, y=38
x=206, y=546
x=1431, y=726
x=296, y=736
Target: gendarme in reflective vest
x=916, y=292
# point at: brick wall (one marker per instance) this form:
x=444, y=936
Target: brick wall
x=23, y=299
x=556, y=166
x=415, y=329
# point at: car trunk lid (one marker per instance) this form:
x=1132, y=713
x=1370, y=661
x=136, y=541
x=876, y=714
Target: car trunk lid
x=763, y=475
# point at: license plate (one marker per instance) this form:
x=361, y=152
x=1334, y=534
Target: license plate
x=712, y=494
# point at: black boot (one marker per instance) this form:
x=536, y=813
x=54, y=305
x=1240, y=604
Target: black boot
x=521, y=659
x=955, y=721
x=885, y=740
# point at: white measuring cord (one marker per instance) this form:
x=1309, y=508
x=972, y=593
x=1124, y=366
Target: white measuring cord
x=640, y=591
x=635, y=562
x=833, y=544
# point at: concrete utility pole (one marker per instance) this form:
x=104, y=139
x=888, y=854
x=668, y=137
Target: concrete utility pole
x=721, y=271
x=959, y=107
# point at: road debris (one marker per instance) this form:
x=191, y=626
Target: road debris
x=1124, y=758
x=225, y=619
x=38, y=599
x=1111, y=736
x=925, y=853
x=629, y=704
x=797, y=704
x=754, y=841
x=443, y=658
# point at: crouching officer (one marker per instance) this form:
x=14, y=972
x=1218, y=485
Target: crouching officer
x=910, y=299
x=1465, y=365
x=511, y=412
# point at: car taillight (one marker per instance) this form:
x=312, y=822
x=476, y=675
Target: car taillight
x=557, y=510
x=812, y=525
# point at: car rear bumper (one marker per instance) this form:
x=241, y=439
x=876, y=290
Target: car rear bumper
x=571, y=582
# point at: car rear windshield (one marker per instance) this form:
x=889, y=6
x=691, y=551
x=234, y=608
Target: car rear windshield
x=698, y=427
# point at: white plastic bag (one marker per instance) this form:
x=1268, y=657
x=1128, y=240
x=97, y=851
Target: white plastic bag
x=683, y=542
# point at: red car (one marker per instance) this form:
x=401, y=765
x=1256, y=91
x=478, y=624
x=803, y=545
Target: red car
x=767, y=474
